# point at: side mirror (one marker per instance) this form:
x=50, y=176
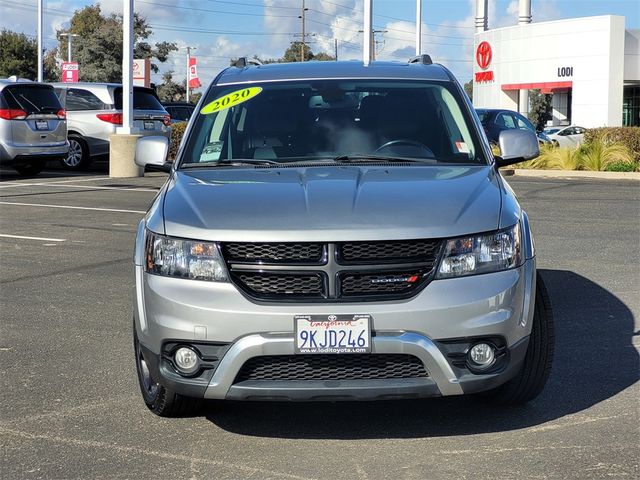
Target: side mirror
x=151, y=153
x=516, y=146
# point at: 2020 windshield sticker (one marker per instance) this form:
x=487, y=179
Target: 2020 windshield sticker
x=231, y=100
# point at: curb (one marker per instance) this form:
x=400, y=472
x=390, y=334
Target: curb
x=523, y=172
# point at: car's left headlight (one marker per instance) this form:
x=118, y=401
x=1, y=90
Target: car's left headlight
x=175, y=257
x=491, y=252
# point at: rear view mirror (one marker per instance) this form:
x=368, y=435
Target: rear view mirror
x=151, y=153
x=517, y=146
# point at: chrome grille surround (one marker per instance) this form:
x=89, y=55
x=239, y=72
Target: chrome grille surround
x=344, y=272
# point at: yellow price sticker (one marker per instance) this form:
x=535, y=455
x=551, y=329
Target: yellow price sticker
x=231, y=100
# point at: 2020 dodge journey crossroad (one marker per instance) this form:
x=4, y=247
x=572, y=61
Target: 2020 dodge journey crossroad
x=336, y=231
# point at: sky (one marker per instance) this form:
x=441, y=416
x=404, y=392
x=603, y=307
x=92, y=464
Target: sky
x=221, y=29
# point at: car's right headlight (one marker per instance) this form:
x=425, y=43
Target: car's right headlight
x=491, y=252
x=176, y=257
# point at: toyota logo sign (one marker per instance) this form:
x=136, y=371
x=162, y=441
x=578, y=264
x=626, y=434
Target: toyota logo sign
x=483, y=55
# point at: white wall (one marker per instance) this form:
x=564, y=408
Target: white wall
x=593, y=46
x=632, y=55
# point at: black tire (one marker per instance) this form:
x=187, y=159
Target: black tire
x=158, y=398
x=30, y=169
x=531, y=379
x=78, y=157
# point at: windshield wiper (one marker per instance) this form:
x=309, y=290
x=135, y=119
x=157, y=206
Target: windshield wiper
x=378, y=158
x=232, y=162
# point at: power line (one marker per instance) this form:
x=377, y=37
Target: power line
x=195, y=9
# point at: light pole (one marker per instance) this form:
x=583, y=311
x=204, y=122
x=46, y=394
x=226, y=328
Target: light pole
x=418, y=27
x=40, y=22
x=367, y=50
x=69, y=36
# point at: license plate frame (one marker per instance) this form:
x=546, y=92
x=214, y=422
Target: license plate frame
x=42, y=125
x=149, y=125
x=352, y=334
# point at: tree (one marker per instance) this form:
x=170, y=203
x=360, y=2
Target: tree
x=98, y=49
x=468, y=88
x=292, y=54
x=170, y=91
x=19, y=56
x=539, y=108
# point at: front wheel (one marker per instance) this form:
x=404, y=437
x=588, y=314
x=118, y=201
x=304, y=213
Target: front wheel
x=158, y=398
x=533, y=375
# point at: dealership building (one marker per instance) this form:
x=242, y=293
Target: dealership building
x=590, y=66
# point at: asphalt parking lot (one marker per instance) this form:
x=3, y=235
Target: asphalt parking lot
x=69, y=401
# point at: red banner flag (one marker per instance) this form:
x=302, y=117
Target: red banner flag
x=194, y=81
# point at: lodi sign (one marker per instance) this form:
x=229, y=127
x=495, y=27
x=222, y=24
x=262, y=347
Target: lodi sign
x=484, y=55
x=70, y=72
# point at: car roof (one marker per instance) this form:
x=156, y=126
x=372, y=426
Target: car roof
x=315, y=70
x=5, y=82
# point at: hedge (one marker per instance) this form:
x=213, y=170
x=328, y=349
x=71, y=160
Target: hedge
x=177, y=131
x=627, y=136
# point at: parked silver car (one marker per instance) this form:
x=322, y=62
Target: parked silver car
x=334, y=231
x=33, y=128
x=94, y=111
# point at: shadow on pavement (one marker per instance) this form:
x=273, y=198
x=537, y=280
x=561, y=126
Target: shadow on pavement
x=594, y=360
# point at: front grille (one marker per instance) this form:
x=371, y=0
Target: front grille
x=328, y=272
x=267, y=284
x=365, y=366
x=387, y=251
x=378, y=284
x=289, y=252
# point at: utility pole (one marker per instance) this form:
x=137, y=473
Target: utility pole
x=335, y=48
x=302, y=45
x=188, y=70
x=40, y=22
x=69, y=36
x=372, y=43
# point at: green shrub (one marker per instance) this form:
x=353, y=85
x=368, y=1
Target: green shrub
x=627, y=136
x=177, y=131
x=621, y=167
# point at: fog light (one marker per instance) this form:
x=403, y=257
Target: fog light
x=482, y=354
x=186, y=360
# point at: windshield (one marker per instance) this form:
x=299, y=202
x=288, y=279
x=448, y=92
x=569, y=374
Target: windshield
x=143, y=99
x=285, y=122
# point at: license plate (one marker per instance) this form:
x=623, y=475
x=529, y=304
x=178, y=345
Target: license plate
x=42, y=125
x=332, y=333
x=149, y=125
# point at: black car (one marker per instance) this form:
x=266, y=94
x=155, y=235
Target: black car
x=496, y=120
x=179, y=111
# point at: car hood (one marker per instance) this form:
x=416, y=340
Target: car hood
x=331, y=203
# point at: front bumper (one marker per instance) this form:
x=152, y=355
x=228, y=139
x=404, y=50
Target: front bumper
x=497, y=305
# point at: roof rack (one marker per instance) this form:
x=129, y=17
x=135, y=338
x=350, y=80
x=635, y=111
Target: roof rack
x=423, y=59
x=242, y=62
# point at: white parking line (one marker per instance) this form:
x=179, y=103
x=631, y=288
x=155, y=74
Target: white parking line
x=97, y=187
x=73, y=207
x=33, y=238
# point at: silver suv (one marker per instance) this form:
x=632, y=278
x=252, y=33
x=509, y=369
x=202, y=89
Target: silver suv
x=334, y=231
x=94, y=111
x=33, y=128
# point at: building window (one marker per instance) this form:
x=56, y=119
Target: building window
x=631, y=106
